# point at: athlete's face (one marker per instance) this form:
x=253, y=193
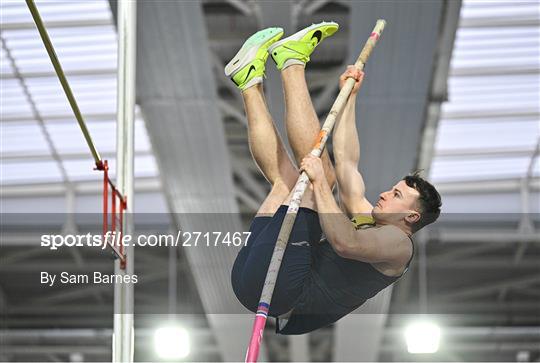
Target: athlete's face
x=397, y=204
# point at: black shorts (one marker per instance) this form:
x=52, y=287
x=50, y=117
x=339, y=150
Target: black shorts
x=252, y=262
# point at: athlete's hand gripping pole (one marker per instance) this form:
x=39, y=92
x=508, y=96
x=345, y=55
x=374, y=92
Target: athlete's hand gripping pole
x=300, y=187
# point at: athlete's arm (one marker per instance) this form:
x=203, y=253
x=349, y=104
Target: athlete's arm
x=347, y=151
x=387, y=244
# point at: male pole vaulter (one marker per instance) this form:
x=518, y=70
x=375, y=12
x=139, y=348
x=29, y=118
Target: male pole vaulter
x=365, y=248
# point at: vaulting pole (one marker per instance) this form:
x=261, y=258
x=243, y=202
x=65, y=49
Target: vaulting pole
x=300, y=187
x=63, y=80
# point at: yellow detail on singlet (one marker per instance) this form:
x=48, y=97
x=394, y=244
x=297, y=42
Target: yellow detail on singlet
x=362, y=221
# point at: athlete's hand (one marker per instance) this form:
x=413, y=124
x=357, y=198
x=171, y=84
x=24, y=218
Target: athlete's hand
x=313, y=167
x=354, y=73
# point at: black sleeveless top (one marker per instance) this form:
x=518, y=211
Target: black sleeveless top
x=336, y=287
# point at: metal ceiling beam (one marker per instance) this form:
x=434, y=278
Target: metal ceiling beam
x=71, y=73
x=32, y=157
x=467, y=114
x=486, y=332
x=29, y=350
x=153, y=184
x=94, y=187
x=90, y=335
x=67, y=118
x=464, y=252
x=36, y=157
x=486, y=288
x=482, y=263
x=486, y=186
x=493, y=71
x=494, y=347
x=483, y=307
x=143, y=185
x=484, y=153
x=146, y=302
x=487, y=236
x=105, y=350
x=86, y=334
x=59, y=24
x=500, y=22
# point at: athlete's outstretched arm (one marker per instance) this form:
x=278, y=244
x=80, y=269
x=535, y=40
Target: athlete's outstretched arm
x=347, y=151
x=387, y=244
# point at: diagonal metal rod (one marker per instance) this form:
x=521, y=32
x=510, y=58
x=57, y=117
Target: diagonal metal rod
x=63, y=80
x=301, y=185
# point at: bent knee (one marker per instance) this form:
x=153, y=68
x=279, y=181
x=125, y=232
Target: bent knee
x=289, y=178
x=283, y=187
x=277, y=196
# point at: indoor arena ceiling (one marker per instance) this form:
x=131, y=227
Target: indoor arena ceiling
x=466, y=111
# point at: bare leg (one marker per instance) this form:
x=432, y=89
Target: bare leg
x=268, y=151
x=301, y=119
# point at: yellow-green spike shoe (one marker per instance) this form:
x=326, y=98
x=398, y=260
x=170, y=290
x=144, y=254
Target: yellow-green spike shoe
x=297, y=48
x=247, y=66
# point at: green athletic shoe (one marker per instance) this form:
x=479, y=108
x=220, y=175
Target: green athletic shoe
x=247, y=66
x=297, y=48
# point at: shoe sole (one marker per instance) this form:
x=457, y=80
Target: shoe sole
x=250, y=48
x=302, y=33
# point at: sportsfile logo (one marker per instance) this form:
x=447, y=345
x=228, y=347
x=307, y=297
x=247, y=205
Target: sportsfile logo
x=113, y=238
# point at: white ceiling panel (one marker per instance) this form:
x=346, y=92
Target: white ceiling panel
x=15, y=11
x=80, y=85
x=490, y=9
x=145, y=166
x=490, y=125
x=29, y=172
x=24, y=41
x=460, y=84
x=17, y=140
x=472, y=134
x=479, y=169
x=467, y=37
x=12, y=93
x=68, y=137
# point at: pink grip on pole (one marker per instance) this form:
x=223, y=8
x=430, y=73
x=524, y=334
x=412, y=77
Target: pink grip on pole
x=257, y=333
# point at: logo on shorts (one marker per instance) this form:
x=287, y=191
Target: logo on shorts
x=301, y=243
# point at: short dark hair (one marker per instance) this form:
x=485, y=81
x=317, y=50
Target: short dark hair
x=429, y=200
